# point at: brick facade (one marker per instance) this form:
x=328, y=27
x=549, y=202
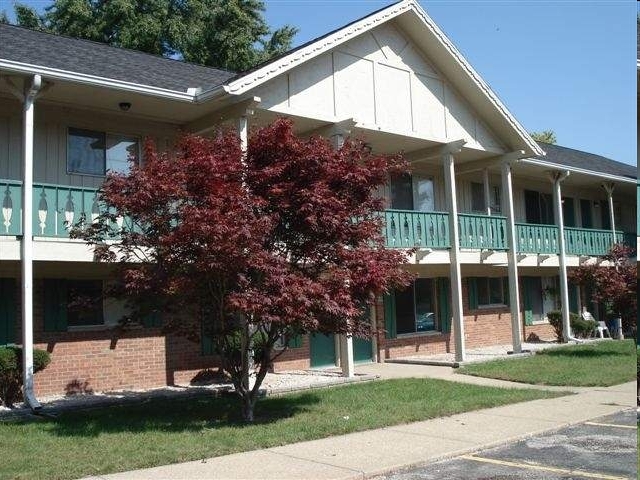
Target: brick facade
x=108, y=359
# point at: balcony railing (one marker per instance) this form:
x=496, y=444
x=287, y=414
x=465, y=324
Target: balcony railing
x=409, y=229
x=56, y=207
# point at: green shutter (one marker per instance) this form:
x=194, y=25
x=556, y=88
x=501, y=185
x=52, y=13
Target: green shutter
x=444, y=309
x=390, y=315
x=8, y=309
x=206, y=341
x=574, y=298
x=55, y=305
x=473, y=292
x=295, y=341
x=505, y=290
x=527, y=289
x=152, y=320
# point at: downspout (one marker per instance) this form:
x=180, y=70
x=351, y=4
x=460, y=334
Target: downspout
x=30, y=95
x=557, y=178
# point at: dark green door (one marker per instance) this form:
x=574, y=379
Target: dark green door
x=8, y=308
x=323, y=350
x=361, y=349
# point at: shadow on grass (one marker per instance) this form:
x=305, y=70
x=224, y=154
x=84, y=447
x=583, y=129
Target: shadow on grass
x=178, y=415
x=561, y=352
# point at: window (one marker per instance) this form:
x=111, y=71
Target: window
x=477, y=197
x=95, y=153
x=538, y=207
x=73, y=303
x=586, y=216
x=415, y=307
x=486, y=291
x=84, y=301
x=412, y=193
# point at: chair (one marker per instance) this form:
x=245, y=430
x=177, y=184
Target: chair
x=602, y=327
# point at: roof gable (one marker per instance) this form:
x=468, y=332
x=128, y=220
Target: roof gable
x=426, y=35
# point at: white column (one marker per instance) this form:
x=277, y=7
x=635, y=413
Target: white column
x=557, y=178
x=346, y=355
x=374, y=338
x=608, y=187
x=487, y=191
x=242, y=128
x=31, y=90
x=454, y=255
x=512, y=256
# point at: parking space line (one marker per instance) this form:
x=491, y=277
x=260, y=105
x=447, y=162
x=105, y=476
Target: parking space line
x=632, y=427
x=580, y=473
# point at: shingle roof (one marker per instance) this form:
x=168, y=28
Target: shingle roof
x=587, y=161
x=92, y=58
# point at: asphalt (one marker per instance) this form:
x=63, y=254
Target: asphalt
x=378, y=452
x=604, y=448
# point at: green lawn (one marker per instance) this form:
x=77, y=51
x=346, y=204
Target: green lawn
x=165, y=431
x=596, y=364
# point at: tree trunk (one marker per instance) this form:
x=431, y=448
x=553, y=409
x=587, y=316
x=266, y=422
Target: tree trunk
x=248, y=405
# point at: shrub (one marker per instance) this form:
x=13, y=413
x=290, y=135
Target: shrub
x=555, y=319
x=581, y=328
x=11, y=372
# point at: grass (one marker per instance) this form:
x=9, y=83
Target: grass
x=595, y=364
x=163, y=431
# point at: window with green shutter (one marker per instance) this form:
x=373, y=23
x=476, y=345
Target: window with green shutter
x=444, y=304
x=528, y=287
x=390, y=315
x=55, y=305
x=8, y=310
x=472, y=291
x=72, y=303
x=152, y=320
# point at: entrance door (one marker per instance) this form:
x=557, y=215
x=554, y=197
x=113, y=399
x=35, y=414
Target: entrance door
x=323, y=350
x=362, y=349
x=7, y=311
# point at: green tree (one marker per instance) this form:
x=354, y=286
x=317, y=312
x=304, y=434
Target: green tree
x=546, y=136
x=229, y=34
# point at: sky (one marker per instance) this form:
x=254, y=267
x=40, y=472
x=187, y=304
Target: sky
x=562, y=65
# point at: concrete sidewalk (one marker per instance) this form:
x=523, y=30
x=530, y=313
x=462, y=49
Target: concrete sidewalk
x=365, y=454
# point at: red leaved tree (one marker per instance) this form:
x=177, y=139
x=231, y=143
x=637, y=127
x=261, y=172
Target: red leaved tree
x=614, y=286
x=248, y=251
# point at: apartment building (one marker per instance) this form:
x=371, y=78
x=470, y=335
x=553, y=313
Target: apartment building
x=498, y=219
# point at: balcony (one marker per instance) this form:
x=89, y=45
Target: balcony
x=408, y=229
x=57, y=206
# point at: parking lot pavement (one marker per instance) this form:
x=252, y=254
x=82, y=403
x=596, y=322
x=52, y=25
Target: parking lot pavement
x=604, y=448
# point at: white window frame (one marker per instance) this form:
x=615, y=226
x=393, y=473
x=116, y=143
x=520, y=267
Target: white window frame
x=106, y=134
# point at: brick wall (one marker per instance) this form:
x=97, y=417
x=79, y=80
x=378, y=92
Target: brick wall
x=101, y=360
x=482, y=327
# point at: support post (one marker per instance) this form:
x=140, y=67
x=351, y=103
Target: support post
x=374, y=337
x=31, y=90
x=243, y=134
x=346, y=355
x=557, y=179
x=454, y=254
x=487, y=191
x=608, y=187
x=512, y=255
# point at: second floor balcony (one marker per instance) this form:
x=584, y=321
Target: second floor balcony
x=409, y=229
x=57, y=206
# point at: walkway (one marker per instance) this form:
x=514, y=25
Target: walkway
x=365, y=454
